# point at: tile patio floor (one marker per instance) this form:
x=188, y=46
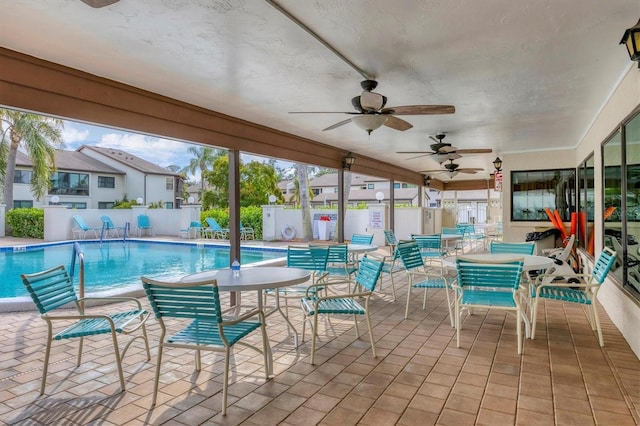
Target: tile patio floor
x=419, y=377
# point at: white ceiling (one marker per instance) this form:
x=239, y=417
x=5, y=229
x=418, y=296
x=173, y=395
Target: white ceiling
x=523, y=75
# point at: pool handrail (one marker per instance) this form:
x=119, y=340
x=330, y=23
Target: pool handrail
x=77, y=251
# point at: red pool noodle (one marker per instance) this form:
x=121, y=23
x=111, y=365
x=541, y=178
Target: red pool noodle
x=560, y=225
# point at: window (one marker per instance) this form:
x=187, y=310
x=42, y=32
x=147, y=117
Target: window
x=106, y=182
x=533, y=191
x=396, y=185
x=22, y=176
x=22, y=204
x=105, y=204
x=169, y=183
x=586, y=203
x=73, y=205
x=370, y=186
x=621, y=186
x=63, y=183
x=168, y=205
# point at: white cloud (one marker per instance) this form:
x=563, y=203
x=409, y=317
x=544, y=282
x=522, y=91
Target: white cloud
x=74, y=136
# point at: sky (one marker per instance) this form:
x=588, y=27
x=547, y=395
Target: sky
x=160, y=151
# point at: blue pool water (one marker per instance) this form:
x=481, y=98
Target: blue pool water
x=113, y=265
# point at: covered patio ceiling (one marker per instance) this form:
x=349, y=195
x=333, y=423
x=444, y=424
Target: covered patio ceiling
x=522, y=76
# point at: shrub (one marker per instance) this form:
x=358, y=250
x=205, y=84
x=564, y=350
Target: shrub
x=26, y=223
x=250, y=217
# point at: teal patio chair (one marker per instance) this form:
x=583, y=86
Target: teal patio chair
x=247, y=233
x=110, y=228
x=81, y=229
x=194, y=230
x=391, y=240
x=430, y=247
x=458, y=246
x=339, y=269
x=583, y=292
x=420, y=276
x=511, y=248
x=486, y=285
x=194, y=321
x=53, y=289
x=215, y=230
x=144, y=225
x=314, y=305
x=364, y=239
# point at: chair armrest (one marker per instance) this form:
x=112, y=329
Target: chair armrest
x=586, y=277
x=112, y=299
x=245, y=316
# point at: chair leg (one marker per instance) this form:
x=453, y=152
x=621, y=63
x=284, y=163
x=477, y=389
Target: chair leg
x=355, y=320
x=458, y=325
x=393, y=287
x=45, y=368
x=116, y=351
x=406, y=311
x=373, y=343
x=265, y=350
x=446, y=289
x=314, y=333
x=157, y=380
x=424, y=298
x=534, y=317
x=597, y=321
x=519, y=330
x=79, y=361
x=225, y=381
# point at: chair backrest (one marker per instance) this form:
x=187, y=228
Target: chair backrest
x=244, y=227
x=466, y=228
x=365, y=239
x=199, y=300
x=213, y=224
x=106, y=219
x=80, y=222
x=368, y=273
x=312, y=258
x=50, y=289
x=195, y=224
x=143, y=221
x=452, y=231
x=505, y=275
x=603, y=264
x=338, y=253
x=433, y=242
x=409, y=252
x=390, y=238
x=515, y=248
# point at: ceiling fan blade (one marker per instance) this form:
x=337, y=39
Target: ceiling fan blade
x=469, y=170
x=397, y=123
x=323, y=112
x=420, y=110
x=474, y=151
x=415, y=152
x=371, y=101
x=433, y=171
x=342, y=123
x=99, y=3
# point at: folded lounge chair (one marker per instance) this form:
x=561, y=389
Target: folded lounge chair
x=81, y=229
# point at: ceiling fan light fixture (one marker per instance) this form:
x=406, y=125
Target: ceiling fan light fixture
x=453, y=174
x=369, y=122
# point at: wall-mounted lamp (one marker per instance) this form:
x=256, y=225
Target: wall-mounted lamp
x=369, y=122
x=631, y=39
x=55, y=200
x=379, y=196
x=348, y=161
x=427, y=181
x=497, y=163
x=140, y=201
x=190, y=200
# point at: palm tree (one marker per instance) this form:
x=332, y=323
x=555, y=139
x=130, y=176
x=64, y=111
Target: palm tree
x=305, y=204
x=203, y=159
x=40, y=136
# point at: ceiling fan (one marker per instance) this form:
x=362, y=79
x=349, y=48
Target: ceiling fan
x=99, y=3
x=371, y=112
x=452, y=169
x=442, y=151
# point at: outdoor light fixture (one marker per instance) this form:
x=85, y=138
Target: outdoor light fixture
x=139, y=200
x=631, y=39
x=427, y=181
x=497, y=163
x=369, y=122
x=348, y=161
x=55, y=200
x=190, y=200
x=379, y=196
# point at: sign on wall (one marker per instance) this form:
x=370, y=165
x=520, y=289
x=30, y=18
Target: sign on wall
x=498, y=181
x=376, y=218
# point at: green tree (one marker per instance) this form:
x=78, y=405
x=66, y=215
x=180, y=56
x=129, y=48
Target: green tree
x=203, y=159
x=257, y=182
x=40, y=136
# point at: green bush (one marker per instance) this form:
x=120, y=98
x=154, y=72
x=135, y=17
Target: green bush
x=26, y=223
x=250, y=217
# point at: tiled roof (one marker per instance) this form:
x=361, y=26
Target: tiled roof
x=130, y=160
x=72, y=160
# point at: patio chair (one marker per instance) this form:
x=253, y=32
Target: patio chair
x=193, y=231
x=458, y=246
x=144, y=225
x=430, y=247
x=583, y=292
x=81, y=229
x=215, y=230
x=195, y=322
x=247, y=233
x=512, y=248
x=310, y=258
x=339, y=270
x=489, y=285
x=391, y=240
x=314, y=305
x=53, y=289
x=110, y=228
x=364, y=239
x=419, y=276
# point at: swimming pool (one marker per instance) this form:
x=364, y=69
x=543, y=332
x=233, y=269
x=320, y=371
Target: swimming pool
x=114, y=265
